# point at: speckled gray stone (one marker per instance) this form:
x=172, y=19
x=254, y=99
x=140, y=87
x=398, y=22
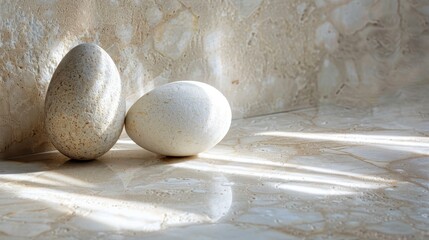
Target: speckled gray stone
x=84, y=106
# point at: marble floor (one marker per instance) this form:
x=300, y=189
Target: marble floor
x=322, y=173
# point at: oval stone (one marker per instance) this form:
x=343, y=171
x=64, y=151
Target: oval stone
x=85, y=106
x=179, y=119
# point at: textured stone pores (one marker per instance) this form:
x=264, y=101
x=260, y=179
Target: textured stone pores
x=84, y=106
x=179, y=119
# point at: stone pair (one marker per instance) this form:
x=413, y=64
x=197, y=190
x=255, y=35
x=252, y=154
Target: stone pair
x=85, y=110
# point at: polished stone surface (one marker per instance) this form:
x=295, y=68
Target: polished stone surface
x=320, y=173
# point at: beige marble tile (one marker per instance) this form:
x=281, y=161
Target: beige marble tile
x=327, y=172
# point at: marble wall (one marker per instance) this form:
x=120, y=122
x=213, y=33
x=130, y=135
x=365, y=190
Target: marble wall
x=266, y=56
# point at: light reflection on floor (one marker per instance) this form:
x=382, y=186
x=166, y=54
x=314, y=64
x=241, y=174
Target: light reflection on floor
x=268, y=177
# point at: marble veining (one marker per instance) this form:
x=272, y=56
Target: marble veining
x=320, y=173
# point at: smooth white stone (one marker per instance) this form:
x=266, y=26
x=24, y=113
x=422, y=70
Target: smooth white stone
x=84, y=106
x=179, y=119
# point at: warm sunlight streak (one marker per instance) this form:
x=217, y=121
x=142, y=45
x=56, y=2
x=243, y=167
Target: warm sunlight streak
x=107, y=213
x=47, y=178
x=281, y=174
x=67, y=194
x=316, y=190
x=354, y=138
x=265, y=162
x=57, y=179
